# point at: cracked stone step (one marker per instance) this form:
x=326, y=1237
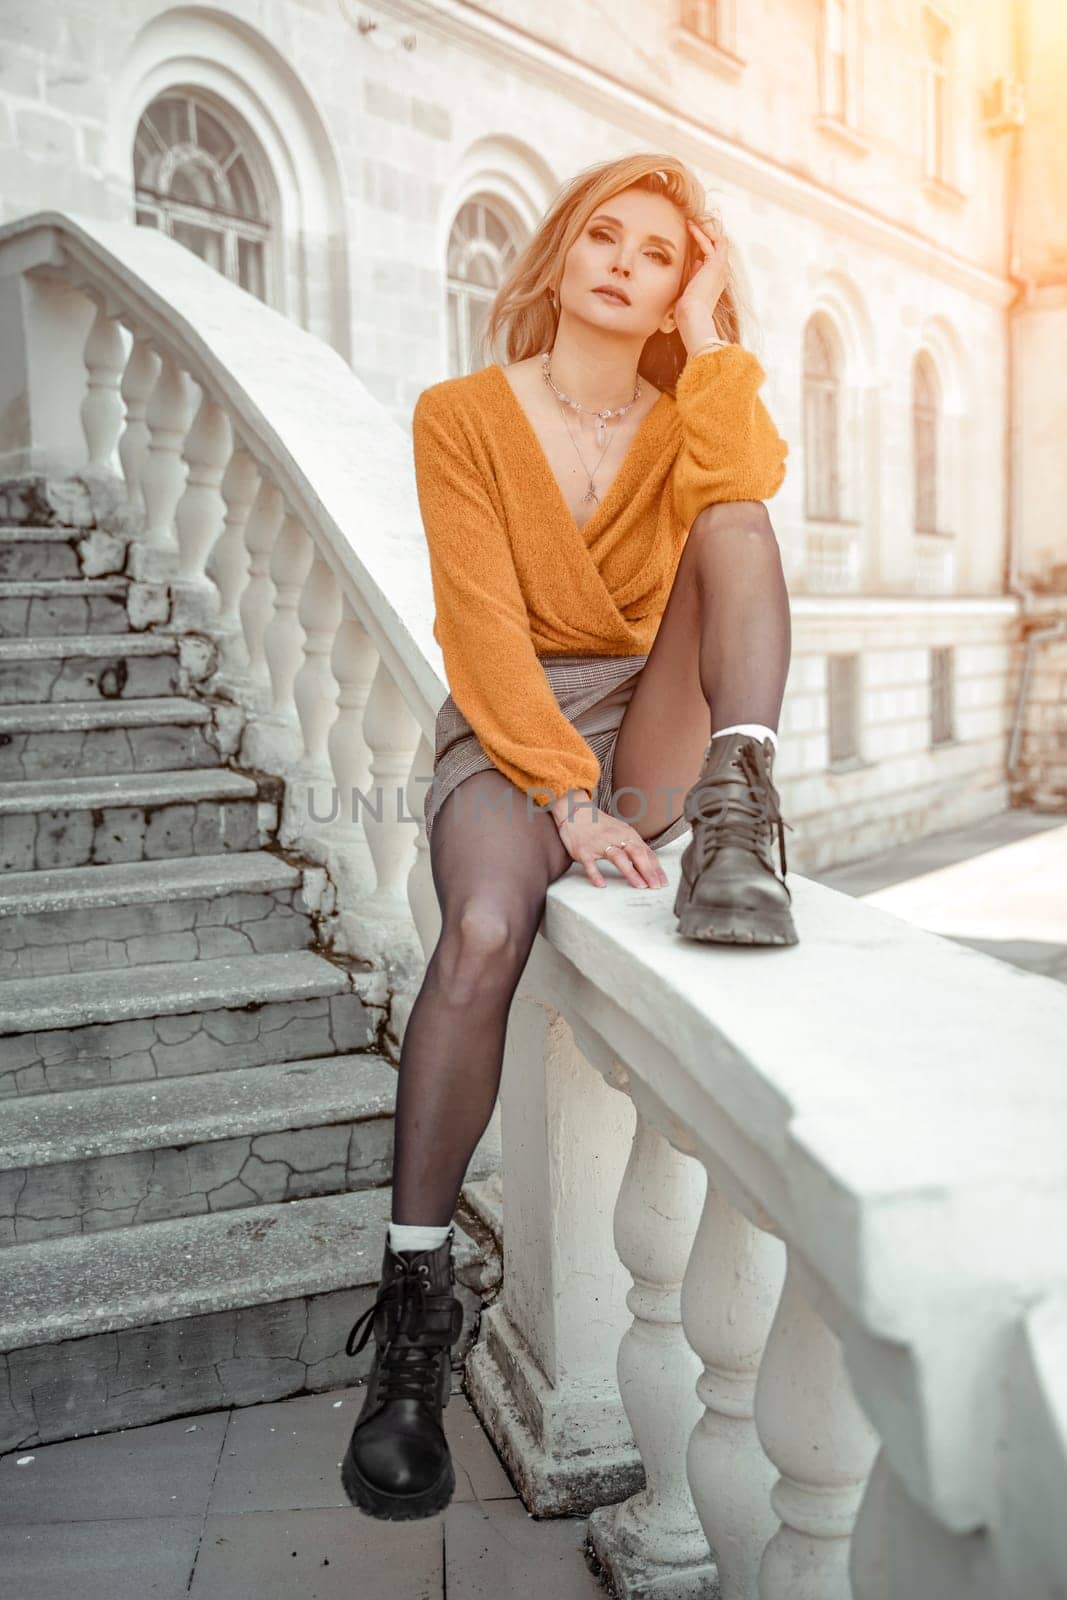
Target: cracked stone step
x=88, y=666
x=79, y=919
x=76, y=999
x=32, y=553
x=112, y=1330
x=72, y=822
x=133, y=1153
x=89, y=737
x=63, y=606
x=177, y=1018
x=72, y=500
x=69, y=1000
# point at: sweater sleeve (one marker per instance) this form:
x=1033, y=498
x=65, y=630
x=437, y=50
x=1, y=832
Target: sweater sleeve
x=482, y=623
x=731, y=450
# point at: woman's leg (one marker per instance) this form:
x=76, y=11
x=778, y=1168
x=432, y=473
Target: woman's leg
x=492, y=865
x=721, y=656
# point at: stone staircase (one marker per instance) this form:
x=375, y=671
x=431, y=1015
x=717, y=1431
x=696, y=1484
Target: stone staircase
x=197, y=1093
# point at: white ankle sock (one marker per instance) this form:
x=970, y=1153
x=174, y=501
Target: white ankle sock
x=757, y=729
x=416, y=1235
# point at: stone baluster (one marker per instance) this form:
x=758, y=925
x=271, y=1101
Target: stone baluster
x=654, y=1539
x=384, y=920
x=422, y=896
x=425, y=911
x=353, y=663
x=102, y=410
x=542, y=1370
x=822, y=1444
x=169, y=413
x=201, y=511
x=309, y=800
x=272, y=741
x=138, y=381
x=732, y=1286
x=227, y=565
x=426, y=916
x=257, y=599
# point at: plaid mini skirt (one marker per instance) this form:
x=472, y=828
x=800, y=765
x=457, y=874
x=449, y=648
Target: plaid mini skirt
x=593, y=693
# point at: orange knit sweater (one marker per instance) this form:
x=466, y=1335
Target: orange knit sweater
x=513, y=575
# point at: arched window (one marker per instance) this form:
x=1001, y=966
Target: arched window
x=483, y=241
x=822, y=429
x=925, y=408
x=199, y=177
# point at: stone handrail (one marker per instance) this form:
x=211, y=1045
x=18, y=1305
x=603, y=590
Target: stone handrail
x=785, y=1272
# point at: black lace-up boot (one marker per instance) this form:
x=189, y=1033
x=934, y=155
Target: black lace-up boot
x=398, y=1463
x=729, y=891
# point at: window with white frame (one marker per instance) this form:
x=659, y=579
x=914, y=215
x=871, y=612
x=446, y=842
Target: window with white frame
x=925, y=414
x=200, y=178
x=706, y=19
x=822, y=422
x=840, y=45
x=937, y=44
x=942, y=695
x=843, y=694
x=483, y=242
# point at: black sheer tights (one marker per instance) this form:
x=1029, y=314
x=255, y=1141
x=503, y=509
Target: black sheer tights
x=492, y=866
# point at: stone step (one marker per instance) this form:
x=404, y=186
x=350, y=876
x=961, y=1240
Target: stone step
x=142, y=1152
x=63, y=606
x=73, y=822
x=88, y=666
x=32, y=554
x=111, y=1330
x=88, y=737
x=75, y=500
x=171, y=1019
x=80, y=919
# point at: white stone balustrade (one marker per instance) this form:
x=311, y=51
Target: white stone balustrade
x=784, y=1302
x=168, y=415
x=227, y=564
x=138, y=381
x=102, y=409
x=272, y=740
x=731, y=1287
x=201, y=511
x=311, y=786
x=256, y=605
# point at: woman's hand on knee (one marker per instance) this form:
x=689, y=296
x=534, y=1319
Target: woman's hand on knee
x=588, y=835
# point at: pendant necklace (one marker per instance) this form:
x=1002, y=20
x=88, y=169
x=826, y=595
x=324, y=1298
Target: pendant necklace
x=600, y=431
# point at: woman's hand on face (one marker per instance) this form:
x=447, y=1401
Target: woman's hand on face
x=586, y=833
x=694, y=310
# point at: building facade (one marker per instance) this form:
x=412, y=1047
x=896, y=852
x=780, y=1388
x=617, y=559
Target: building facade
x=888, y=176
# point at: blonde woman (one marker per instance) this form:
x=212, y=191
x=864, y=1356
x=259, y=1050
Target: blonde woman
x=615, y=628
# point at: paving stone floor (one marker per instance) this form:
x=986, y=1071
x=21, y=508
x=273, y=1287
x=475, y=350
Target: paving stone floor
x=247, y=1505
x=999, y=886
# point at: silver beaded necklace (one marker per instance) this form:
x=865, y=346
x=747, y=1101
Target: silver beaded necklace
x=602, y=420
